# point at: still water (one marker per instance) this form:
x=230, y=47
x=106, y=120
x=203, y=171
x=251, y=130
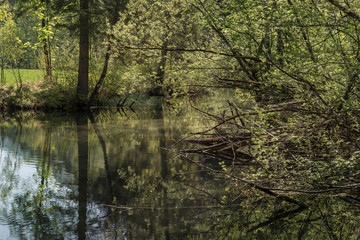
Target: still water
x=117, y=175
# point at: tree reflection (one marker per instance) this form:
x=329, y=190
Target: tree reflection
x=31, y=206
x=165, y=173
x=57, y=181
x=82, y=139
x=40, y=197
x=106, y=158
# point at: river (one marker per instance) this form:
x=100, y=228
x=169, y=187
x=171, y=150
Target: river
x=117, y=174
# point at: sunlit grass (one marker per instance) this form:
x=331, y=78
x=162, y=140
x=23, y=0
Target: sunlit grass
x=27, y=75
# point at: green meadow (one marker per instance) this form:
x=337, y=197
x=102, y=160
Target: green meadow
x=13, y=76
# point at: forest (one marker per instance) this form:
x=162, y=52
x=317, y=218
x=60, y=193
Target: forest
x=291, y=129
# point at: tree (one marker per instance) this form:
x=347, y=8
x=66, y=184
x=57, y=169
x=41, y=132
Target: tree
x=50, y=14
x=84, y=46
x=113, y=15
x=11, y=46
x=299, y=63
x=160, y=40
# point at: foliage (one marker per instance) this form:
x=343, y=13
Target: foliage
x=41, y=95
x=11, y=46
x=154, y=38
x=298, y=62
x=49, y=15
x=55, y=96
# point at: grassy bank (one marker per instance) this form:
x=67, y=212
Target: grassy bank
x=12, y=76
x=36, y=95
x=34, y=92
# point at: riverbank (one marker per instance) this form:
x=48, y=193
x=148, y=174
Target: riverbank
x=45, y=96
x=35, y=96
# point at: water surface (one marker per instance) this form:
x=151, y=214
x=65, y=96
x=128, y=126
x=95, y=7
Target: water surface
x=117, y=175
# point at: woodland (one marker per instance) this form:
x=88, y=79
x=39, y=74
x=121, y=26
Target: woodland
x=297, y=61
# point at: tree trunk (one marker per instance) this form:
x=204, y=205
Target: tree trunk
x=102, y=77
x=83, y=74
x=119, y=6
x=3, y=81
x=46, y=51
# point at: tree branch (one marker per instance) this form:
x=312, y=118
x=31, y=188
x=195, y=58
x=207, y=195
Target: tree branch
x=174, y=49
x=345, y=10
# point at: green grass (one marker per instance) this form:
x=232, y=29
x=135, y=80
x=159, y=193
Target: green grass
x=27, y=75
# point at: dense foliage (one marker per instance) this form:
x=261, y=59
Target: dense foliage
x=297, y=61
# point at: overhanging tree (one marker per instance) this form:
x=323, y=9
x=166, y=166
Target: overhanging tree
x=300, y=61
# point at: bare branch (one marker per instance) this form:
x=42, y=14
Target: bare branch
x=256, y=59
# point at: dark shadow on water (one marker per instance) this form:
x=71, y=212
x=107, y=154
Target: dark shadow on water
x=82, y=140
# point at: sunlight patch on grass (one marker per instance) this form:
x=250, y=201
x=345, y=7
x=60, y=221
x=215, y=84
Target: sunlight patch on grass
x=27, y=75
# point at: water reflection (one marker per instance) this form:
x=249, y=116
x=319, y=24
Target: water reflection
x=82, y=143
x=111, y=176
x=66, y=172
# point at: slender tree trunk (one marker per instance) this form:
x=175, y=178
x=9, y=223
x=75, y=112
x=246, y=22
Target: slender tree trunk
x=83, y=73
x=46, y=51
x=49, y=58
x=102, y=77
x=20, y=79
x=120, y=6
x=3, y=80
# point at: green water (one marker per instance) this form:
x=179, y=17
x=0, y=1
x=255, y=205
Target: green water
x=117, y=175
